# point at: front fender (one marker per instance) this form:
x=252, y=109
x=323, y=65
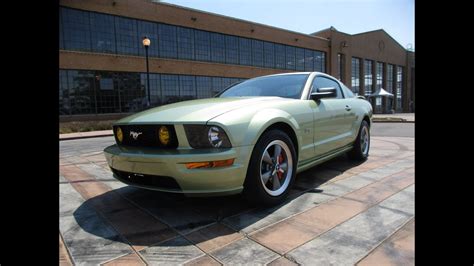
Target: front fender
x=265, y=118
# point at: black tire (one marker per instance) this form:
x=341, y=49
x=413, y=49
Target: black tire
x=360, y=152
x=254, y=190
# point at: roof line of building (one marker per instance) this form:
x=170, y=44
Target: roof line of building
x=361, y=33
x=329, y=28
x=382, y=30
x=237, y=19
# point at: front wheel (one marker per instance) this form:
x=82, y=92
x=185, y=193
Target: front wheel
x=272, y=169
x=362, y=143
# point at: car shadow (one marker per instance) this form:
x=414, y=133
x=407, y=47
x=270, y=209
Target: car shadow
x=144, y=217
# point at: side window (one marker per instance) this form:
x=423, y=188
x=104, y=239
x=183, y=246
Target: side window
x=323, y=82
x=347, y=92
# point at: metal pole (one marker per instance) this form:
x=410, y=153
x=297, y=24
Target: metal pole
x=95, y=79
x=147, y=77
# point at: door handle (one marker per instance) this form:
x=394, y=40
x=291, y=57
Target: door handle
x=348, y=108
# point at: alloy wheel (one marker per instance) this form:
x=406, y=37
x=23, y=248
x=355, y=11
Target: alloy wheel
x=276, y=167
x=364, y=140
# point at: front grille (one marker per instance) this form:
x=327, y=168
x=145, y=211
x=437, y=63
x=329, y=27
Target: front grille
x=152, y=181
x=146, y=136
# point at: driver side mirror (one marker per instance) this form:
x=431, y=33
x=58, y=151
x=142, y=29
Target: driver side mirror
x=324, y=93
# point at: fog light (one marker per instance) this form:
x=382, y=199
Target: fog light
x=119, y=134
x=212, y=164
x=164, y=135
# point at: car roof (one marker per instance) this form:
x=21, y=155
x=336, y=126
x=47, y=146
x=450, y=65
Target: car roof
x=295, y=73
x=309, y=73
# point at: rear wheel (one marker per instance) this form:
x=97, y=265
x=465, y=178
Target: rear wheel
x=272, y=169
x=362, y=143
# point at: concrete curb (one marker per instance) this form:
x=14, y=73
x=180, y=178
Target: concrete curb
x=391, y=121
x=85, y=137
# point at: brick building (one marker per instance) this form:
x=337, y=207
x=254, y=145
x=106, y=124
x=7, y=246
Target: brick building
x=195, y=54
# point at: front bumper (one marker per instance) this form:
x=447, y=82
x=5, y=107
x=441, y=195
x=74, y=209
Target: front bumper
x=158, y=167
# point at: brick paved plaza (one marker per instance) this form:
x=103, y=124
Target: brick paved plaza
x=339, y=213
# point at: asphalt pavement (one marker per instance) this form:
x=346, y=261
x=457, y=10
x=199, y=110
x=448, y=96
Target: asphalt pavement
x=393, y=130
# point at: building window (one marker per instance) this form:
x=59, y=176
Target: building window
x=319, y=61
x=355, y=75
x=217, y=48
x=61, y=35
x=399, y=87
x=290, y=57
x=155, y=89
x=389, y=78
x=127, y=39
x=245, y=53
x=280, y=56
x=132, y=93
x=257, y=53
x=96, y=92
x=368, y=77
x=341, y=66
x=389, y=86
x=216, y=85
x=81, y=91
x=106, y=89
x=64, y=104
x=379, y=75
x=106, y=84
x=378, y=101
x=185, y=43
x=76, y=29
x=269, y=54
x=102, y=33
x=232, y=50
x=299, y=58
x=226, y=82
x=308, y=60
x=204, y=87
x=202, y=45
x=168, y=41
x=170, y=88
x=187, y=87
x=150, y=30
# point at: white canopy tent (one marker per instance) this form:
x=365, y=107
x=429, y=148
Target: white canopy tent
x=381, y=93
x=378, y=95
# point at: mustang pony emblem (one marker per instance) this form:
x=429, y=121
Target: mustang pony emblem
x=135, y=134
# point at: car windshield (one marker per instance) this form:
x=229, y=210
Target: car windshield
x=286, y=86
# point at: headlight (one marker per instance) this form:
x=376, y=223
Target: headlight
x=119, y=134
x=201, y=136
x=214, y=135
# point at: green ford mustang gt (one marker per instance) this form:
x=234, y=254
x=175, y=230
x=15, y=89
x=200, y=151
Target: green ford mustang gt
x=253, y=137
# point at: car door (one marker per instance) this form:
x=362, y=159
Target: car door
x=351, y=104
x=332, y=118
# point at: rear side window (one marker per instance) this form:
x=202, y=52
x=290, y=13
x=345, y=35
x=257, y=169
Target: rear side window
x=323, y=82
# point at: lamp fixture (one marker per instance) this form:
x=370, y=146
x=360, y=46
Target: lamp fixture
x=146, y=42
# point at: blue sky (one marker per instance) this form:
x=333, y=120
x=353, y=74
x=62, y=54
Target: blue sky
x=396, y=17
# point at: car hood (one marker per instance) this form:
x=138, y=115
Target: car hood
x=194, y=111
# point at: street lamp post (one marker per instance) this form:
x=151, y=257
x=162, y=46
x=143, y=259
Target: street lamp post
x=146, y=42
